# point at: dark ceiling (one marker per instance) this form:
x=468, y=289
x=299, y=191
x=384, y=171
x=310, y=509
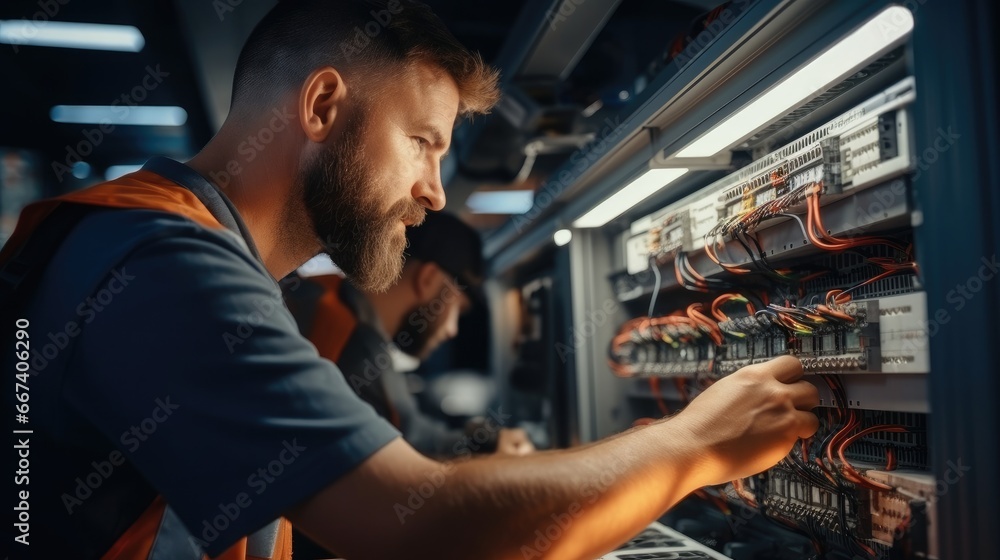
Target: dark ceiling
x=38, y=78
x=191, y=48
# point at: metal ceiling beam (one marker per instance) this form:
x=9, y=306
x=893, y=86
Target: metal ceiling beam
x=566, y=27
x=215, y=33
x=569, y=28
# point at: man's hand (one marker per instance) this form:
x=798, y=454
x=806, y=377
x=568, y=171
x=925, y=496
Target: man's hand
x=514, y=441
x=608, y=491
x=746, y=422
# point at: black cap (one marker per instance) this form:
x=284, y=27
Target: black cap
x=454, y=246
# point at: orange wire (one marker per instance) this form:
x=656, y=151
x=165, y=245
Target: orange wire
x=717, y=303
x=710, y=251
x=890, y=459
x=743, y=493
x=695, y=314
x=850, y=468
x=819, y=237
x=680, y=383
x=654, y=384
x=826, y=310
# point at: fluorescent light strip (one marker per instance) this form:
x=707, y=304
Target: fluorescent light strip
x=119, y=115
x=846, y=57
x=631, y=194
x=501, y=202
x=116, y=171
x=69, y=35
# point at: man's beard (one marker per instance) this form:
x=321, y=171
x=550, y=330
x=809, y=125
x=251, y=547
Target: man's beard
x=344, y=200
x=418, y=334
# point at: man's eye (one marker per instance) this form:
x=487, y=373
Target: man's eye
x=421, y=142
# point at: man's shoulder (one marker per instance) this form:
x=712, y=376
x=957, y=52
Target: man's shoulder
x=110, y=240
x=120, y=231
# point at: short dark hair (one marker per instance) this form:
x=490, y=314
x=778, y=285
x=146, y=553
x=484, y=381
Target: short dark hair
x=362, y=39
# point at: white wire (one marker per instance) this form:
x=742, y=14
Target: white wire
x=799, y=220
x=656, y=285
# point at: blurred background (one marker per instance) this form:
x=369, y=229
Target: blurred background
x=171, y=64
x=93, y=89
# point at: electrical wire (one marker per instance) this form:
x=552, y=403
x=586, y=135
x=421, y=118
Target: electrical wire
x=656, y=285
x=841, y=449
x=654, y=386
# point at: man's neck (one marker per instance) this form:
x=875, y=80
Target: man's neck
x=264, y=192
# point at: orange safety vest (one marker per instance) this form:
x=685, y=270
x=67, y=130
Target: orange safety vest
x=158, y=532
x=333, y=322
x=332, y=325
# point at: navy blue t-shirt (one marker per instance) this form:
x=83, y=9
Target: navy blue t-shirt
x=168, y=343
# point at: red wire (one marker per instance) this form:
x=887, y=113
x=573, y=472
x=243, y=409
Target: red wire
x=847, y=465
x=654, y=384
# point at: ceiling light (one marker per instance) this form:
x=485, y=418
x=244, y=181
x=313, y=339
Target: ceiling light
x=631, y=194
x=69, y=35
x=81, y=170
x=847, y=56
x=119, y=115
x=562, y=237
x=501, y=202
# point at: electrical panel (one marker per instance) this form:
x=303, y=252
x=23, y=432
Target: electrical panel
x=805, y=251
x=805, y=233
x=787, y=256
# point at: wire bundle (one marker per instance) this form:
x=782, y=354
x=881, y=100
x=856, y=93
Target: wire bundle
x=822, y=470
x=674, y=331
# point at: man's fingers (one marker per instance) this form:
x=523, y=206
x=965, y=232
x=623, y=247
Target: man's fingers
x=787, y=369
x=806, y=424
x=515, y=442
x=805, y=395
x=524, y=448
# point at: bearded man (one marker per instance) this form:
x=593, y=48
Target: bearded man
x=177, y=412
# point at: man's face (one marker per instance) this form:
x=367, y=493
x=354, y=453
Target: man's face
x=433, y=321
x=381, y=174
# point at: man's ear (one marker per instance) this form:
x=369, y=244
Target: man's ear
x=427, y=280
x=321, y=100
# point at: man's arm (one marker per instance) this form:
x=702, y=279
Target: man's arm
x=401, y=503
